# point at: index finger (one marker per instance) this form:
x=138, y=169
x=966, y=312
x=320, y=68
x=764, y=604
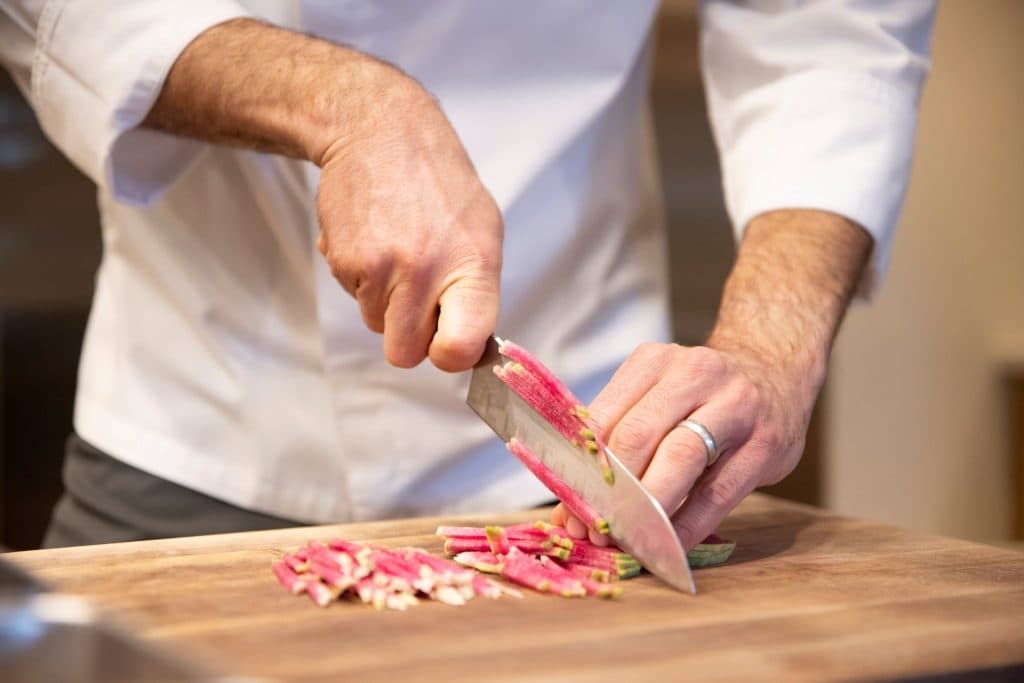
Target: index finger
x=631, y=381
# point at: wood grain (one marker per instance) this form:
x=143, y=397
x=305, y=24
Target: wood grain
x=1017, y=422
x=807, y=596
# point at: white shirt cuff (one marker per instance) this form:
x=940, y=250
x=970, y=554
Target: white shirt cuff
x=839, y=141
x=98, y=68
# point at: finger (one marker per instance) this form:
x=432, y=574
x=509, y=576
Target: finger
x=559, y=515
x=634, y=378
x=341, y=266
x=372, y=305
x=469, y=314
x=366, y=285
x=575, y=527
x=409, y=323
x=637, y=435
x=597, y=538
x=682, y=456
x=716, y=493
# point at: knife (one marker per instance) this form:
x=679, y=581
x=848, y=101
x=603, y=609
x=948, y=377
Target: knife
x=638, y=523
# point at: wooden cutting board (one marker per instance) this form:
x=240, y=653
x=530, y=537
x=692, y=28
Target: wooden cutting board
x=807, y=596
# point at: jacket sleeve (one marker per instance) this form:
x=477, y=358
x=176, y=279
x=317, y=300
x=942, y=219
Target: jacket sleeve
x=91, y=70
x=813, y=104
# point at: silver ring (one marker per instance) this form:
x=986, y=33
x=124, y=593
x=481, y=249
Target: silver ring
x=705, y=436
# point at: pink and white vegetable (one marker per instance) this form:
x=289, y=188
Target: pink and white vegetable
x=384, y=578
x=546, y=394
x=565, y=493
x=541, y=556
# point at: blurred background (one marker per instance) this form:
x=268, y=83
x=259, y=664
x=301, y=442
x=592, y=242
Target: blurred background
x=921, y=423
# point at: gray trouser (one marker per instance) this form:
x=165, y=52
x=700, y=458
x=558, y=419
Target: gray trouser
x=106, y=501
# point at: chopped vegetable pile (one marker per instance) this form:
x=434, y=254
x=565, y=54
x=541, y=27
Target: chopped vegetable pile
x=542, y=557
x=536, y=555
x=546, y=394
x=393, y=579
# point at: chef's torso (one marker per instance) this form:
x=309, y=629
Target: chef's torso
x=222, y=355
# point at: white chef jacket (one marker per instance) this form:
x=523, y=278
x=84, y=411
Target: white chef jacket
x=220, y=354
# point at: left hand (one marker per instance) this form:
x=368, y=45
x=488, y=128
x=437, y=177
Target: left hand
x=753, y=386
x=757, y=415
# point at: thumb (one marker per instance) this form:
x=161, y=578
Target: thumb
x=468, y=315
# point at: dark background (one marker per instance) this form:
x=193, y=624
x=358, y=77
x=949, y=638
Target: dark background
x=50, y=248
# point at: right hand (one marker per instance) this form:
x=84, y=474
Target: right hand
x=409, y=230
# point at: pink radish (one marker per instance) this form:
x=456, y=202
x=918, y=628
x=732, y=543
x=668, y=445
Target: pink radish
x=572, y=500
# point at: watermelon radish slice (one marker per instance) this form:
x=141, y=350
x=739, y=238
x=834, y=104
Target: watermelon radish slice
x=527, y=537
x=572, y=500
x=330, y=573
x=513, y=533
x=536, y=573
x=497, y=539
x=295, y=563
x=321, y=593
x=291, y=580
x=453, y=546
x=401, y=578
x=384, y=578
x=539, y=387
x=552, y=386
x=526, y=571
x=588, y=572
x=590, y=587
x=492, y=589
x=526, y=530
x=486, y=562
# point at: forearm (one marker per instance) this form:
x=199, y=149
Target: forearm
x=794, y=276
x=406, y=225
x=245, y=83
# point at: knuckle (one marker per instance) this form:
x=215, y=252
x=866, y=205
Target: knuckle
x=649, y=351
x=720, y=492
x=374, y=266
x=406, y=356
x=630, y=435
x=475, y=261
x=482, y=210
x=412, y=257
x=454, y=353
x=488, y=215
x=403, y=299
x=688, y=531
x=747, y=395
x=770, y=438
x=345, y=276
x=374, y=323
x=703, y=362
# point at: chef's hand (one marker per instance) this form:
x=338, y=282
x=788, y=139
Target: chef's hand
x=409, y=230
x=405, y=223
x=753, y=385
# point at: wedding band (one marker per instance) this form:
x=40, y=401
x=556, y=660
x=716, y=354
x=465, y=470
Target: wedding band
x=705, y=436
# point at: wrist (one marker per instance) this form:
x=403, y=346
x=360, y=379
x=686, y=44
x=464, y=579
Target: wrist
x=352, y=102
x=250, y=84
x=785, y=298
x=798, y=373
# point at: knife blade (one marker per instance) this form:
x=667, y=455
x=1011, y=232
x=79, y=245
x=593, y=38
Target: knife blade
x=638, y=523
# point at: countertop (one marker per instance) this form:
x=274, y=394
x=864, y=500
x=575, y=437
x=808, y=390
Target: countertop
x=808, y=595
